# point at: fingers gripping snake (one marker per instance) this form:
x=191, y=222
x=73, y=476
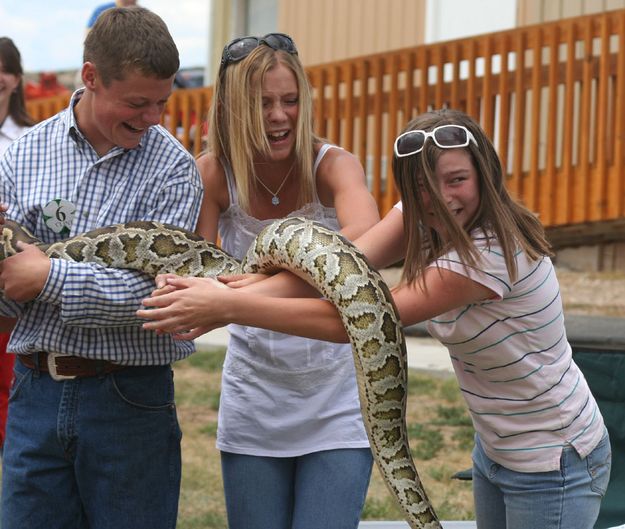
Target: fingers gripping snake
x=327, y=261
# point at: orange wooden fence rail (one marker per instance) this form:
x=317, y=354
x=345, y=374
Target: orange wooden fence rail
x=551, y=96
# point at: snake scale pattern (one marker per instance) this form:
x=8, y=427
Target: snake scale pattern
x=327, y=261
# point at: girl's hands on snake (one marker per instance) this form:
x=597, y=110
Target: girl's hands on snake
x=185, y=307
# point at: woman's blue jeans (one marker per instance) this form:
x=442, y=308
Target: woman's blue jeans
x=322, y=490
x=97, y=452
x=568, y=498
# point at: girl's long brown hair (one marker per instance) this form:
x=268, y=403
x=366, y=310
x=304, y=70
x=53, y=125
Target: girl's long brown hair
x=12, y=63
x=514, y=226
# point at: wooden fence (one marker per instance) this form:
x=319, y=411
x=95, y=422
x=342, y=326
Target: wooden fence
x=551, y=96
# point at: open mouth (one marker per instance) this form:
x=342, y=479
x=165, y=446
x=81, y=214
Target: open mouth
x=276, y=137
x=133, y=129
x=454, y=212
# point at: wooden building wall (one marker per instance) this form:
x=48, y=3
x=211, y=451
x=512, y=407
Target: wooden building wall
x=333, y=30
x=539, y=11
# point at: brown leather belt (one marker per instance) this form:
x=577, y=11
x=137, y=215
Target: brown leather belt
x=62, y=367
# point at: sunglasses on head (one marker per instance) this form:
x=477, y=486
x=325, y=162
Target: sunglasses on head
x=445, y=137
x=240, y=48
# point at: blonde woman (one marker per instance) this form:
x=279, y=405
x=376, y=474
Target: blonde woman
x=294, y=450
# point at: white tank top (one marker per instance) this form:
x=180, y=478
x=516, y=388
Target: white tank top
x=281, y=395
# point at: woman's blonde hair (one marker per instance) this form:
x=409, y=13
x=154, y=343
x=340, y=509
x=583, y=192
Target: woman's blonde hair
x=514, y=226
x=236, y=130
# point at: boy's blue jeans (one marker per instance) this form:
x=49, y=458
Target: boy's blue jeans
x=96, y=452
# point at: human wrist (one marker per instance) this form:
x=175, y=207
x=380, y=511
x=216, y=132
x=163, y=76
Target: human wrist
x=53, y=286
x=232, y=307
x=244, y=308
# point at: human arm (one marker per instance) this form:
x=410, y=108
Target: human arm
x=383, y=244
x=215, y=199
x=341, y=184
x=200, y=305
x=7, y=306
x=95, y=296
x=207, y=307
x=164, y=188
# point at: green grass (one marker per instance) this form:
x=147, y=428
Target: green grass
x=197, y=395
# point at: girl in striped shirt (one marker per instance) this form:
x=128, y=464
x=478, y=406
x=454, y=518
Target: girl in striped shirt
x=477, y=267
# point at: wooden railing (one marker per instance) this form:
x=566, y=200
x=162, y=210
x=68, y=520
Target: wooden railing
x=551, y=96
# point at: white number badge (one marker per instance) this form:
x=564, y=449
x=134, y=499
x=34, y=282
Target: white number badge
x=58, y=214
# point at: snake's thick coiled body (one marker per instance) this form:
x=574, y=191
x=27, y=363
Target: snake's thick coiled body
x=324, y=259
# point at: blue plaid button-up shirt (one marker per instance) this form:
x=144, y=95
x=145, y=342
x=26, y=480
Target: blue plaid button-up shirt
x=84, y=309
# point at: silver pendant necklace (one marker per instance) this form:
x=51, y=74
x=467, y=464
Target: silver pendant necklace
x=275, y=200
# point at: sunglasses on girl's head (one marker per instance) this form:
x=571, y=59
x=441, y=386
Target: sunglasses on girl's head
x=240, y=48
x=445, y=137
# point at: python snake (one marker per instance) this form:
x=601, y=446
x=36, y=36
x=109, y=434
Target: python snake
x=327, y=261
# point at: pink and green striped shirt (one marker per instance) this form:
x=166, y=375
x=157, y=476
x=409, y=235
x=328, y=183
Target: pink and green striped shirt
x=527, y=397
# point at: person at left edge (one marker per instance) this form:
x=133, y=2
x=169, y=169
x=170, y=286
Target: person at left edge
x=14, y=121
x=101, y=448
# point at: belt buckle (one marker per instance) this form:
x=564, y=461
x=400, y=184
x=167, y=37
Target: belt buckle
x=51, y=360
